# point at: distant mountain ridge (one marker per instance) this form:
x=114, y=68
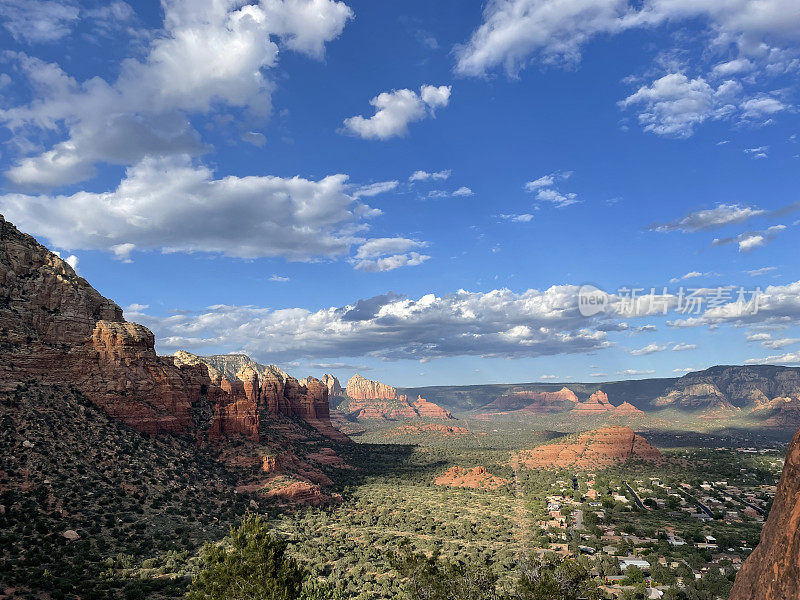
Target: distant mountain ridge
x=762, y=394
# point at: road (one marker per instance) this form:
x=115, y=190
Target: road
x=702, y=506
x=578, y=519
x=636, y=498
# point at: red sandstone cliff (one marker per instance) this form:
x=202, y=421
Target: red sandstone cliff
x=429, y=410
x=772, y=571
x=597, y=404
x=333, y=385
x=56, y=328
x=361, y=388
x=593, y=449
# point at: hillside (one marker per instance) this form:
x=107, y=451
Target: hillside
x=749, y=395
x=589, y=450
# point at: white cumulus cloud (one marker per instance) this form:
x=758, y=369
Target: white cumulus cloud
x=395, y=110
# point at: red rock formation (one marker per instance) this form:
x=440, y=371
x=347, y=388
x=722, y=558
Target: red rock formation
x=382, y=409
x=361, y=388
x=429, y=410
x=475, y=478
x=593, y=449
x=626, y=409
x=534, y=401
x=56, y=328
x=236, y=411
x=597, y=404
x=399, y=408
x=772, y=571
x=334, y=387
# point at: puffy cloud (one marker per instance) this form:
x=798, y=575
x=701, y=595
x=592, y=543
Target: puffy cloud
x=380, y=246
x=36, y=21
x=732, y=67
x=545, y=190
x=496, y=323
x=713, y=218
x=750, y=240
x=171, y=205
x=279, y=278
x=514, y=32
x=395, y=110
x=543, y=182
x=463, y=191
x=209, y=53
x=674, y=104
x=775, y=305
x=425, y=175
x=790, y=358
x=387, y=254
x=761, y=106
x=390, y=263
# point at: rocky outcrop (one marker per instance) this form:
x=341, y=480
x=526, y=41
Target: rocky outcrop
x=254, y=388
x=429, y=410
x=731, y=388
x=626, y=409
x=598, y=448
x=597, y=404
x=475, y=478
x=56, y=328
x=772, y=571
x=398, y=408
x=334, y=387
x=535, y=401
x=361, y=388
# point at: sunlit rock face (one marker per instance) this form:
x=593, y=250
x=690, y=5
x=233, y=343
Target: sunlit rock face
x=772, y=571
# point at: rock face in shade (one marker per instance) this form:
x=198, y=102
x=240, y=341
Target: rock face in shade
x=597, y=404
x=361, y=388
x=593, y=449
x=253, y=387
x=333, y=385
x=731, y=387
x=56, y=328
x=534, y=401
x=772, y=571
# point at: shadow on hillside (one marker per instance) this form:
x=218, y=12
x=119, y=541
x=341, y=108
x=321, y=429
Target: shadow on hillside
x=725, y=437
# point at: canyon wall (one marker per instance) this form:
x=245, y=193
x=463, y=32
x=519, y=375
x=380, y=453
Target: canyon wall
x=772, y=571
x=361, y=388
x=56, y=328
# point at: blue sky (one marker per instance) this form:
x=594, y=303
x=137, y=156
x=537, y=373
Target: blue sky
x=242, y=177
